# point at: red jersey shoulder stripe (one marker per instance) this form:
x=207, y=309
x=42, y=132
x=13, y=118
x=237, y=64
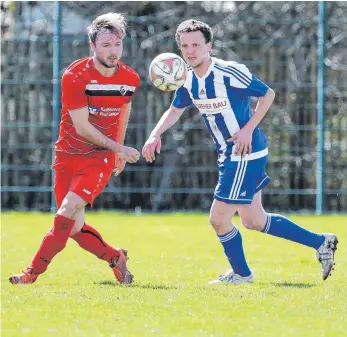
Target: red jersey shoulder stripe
x=77, y=63
x=130, y=70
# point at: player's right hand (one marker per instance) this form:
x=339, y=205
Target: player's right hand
x=152, y=145
x=129, y=154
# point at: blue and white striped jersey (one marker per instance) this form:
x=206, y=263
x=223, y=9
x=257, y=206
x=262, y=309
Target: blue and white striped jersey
x=222, y=96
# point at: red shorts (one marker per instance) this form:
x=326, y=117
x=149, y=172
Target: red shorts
x=86, y=176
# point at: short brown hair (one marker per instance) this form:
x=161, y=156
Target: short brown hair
x=115, y=22
x=194, y=26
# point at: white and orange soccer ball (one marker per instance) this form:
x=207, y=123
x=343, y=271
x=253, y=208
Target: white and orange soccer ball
x=168, y=72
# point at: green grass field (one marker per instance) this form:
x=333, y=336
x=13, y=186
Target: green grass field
x=172, y=258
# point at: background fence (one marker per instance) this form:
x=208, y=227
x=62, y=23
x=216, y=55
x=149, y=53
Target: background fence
x=277, y=41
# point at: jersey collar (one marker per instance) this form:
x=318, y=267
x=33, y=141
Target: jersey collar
x=91, y=64
x=213, y=61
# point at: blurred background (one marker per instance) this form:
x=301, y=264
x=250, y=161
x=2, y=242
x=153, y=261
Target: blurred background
x=297, y=48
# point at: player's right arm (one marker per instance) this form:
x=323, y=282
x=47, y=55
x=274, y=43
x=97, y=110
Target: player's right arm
x=181, y=100
x=153, y=143
x=75, y=101
x=86, y=130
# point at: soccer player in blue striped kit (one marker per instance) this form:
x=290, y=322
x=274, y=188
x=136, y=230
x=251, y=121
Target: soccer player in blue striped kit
x=221, y=91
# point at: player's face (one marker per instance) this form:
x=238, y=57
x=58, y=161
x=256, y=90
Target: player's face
x=108, y=48
x=194, y=48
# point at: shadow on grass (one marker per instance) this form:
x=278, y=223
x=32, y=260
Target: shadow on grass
x=293, y=285
x=136, y=285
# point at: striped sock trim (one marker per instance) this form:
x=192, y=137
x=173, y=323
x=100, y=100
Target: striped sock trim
x=228, y=236
x=267, y=224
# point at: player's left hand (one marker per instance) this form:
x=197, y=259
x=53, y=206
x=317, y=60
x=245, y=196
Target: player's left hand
x=243, y=141
x=119, y=166
x=152, y=145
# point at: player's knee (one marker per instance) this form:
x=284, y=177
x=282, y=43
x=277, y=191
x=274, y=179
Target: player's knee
x=251, y=223
x=213, y=220
x=247, y=222
x=70, y=208
x=77, y=226
x=217, y=222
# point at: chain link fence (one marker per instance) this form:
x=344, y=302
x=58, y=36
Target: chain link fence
x=277, y=41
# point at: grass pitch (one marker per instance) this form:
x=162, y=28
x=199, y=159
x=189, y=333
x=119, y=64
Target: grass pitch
x=172, y=258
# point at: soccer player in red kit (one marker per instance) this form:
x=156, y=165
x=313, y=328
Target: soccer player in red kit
x=96, y=102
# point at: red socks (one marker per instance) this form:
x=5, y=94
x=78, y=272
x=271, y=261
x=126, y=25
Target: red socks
x=91, y=240
x=54, y=241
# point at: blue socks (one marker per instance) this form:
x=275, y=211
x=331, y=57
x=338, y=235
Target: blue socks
x=278, y=225
x=233, y=249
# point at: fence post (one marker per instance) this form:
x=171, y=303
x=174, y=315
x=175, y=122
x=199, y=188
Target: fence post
x=56, y=87
x=321, y=108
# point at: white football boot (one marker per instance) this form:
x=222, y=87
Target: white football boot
x=231, y=277
x=325, y=254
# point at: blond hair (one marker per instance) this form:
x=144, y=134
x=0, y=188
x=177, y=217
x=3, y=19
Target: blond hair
x=115, y=22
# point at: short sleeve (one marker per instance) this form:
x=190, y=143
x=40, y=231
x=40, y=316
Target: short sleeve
x=256, y=88
x=73, y=92
x=182, y=98
x=240, y=77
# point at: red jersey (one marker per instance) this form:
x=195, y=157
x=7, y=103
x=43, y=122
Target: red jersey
x=83, y=86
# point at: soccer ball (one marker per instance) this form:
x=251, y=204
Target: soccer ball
x=168, y=72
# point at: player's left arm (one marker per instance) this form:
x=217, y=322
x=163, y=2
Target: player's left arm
x=243, y=138
x=123, y=125
x=261, y=109
x=250, y=86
